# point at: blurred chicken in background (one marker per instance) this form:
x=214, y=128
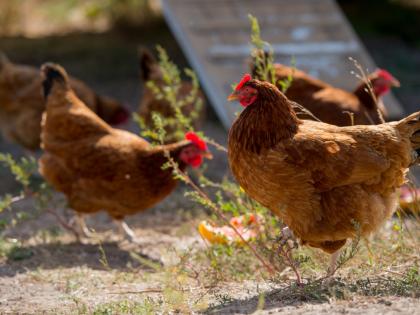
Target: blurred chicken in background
x=333, y=105
x=22, y=103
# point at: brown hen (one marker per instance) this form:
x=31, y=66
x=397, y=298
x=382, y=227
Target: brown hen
x=320, y=179
x=101, y=168
x=333, y=105
x=22, y=104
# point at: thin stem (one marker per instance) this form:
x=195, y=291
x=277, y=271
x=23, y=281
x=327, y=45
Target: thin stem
x=365, y=78
x=219, y=213
x=291, y=263
x=216, y=145
x=63, y=223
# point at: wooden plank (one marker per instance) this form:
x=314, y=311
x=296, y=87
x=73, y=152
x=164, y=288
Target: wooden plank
x=215, y=36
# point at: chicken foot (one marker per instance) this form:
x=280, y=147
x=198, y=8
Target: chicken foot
x=80, y=219
x=126, y=231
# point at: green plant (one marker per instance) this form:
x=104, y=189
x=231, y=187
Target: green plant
x=169, y=91
x=146, y=307
x=263, y=54
x=22, y=170
x=263, y=58
x=263, y=66
x=25, y=172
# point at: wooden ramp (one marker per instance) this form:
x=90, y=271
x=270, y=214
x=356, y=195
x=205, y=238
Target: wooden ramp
x=215, y=36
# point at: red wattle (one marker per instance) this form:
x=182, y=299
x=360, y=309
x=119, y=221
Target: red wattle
x=195, y=161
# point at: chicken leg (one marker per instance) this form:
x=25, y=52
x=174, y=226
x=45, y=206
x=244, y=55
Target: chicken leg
x=80, y=218
x=333, y=264
x=126, y=231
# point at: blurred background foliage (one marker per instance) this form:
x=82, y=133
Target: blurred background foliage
x=33, y=18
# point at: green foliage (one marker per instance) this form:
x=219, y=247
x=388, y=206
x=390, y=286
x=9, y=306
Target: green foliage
x=116, y=12
x=146, y=307
x=5, y=202
x=174, y=297
x=13, y=250
x=18, y=253
x=169, y=91
x=263, y=58
x=5, y=247
x=119, y=10
x=22, y=170
x=25, y=172
x=263, y=67
x=407, y=284
x=350, y=251
x=263, y=54
x=103, y=259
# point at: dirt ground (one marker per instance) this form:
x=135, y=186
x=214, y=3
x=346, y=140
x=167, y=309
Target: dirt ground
x=51, y=273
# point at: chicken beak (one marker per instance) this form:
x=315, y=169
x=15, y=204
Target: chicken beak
x=207, y=155
x=233, y=97
x=395, y=83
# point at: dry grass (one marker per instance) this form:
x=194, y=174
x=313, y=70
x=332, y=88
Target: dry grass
x=112, y=277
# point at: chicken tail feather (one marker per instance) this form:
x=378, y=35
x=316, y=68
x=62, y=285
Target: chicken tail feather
x=52, y=74
x=412, y=123
x=415, y=142
x=146, y=62
x=111, y=111
x=410, y=119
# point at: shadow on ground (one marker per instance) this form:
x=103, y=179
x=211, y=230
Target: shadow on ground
x=58, y=255
x=318, y=292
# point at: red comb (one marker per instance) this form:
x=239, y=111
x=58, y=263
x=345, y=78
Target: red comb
x=385, y=74
x=200, y=143
x=244, y=80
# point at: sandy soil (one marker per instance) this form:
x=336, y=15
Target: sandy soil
x=56, y=275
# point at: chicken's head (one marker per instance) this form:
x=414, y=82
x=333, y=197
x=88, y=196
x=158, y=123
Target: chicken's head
x=194, y=153
x=244, y=92
x=382, y=82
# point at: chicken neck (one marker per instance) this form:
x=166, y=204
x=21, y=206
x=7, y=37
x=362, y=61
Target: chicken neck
x=269, y=120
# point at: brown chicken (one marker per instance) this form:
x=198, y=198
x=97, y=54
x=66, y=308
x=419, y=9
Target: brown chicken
x=149, y=103
x=320, y=179
x=22, y=104
x=330, y=104
x=101, y=168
